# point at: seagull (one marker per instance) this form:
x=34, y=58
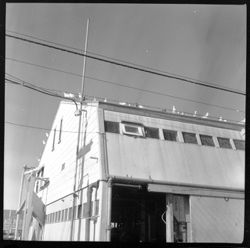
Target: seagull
x=195, y=113
x=47, y=135
x=206, y=115
x=174, y=109
x=44, y=142
x=220, y=119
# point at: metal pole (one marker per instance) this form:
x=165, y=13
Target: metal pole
x=78, y=135
x=19, y=202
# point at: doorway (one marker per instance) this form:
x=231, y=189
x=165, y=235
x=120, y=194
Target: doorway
x=137, y=215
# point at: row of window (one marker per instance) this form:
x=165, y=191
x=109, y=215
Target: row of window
x=136, y=129
x=59, y=137
x=81, y=211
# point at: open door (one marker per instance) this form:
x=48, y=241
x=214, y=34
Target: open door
x=177, y=218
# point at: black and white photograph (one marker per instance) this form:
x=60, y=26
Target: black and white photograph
x=124, y=122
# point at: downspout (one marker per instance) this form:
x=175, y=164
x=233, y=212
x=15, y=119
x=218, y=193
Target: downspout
x=109, y=207
x=87, y=220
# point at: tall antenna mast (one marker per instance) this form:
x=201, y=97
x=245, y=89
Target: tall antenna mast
x=84, y=61
x=79, y=133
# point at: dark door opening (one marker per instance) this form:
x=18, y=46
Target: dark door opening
x=137, y=215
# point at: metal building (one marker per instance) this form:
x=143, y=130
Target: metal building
x=139, y=175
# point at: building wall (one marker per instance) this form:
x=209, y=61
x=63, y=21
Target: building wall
x=176, y=162
x=217, y=219
x=58, y=195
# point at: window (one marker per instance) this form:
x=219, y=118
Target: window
x=54, y=137
x=62, y=215
x=85, y=209
x=60, y=132
x=97, y=207
x=59, y=216
x=111, y=127
x=239, y=144
x=189, y=138
x=79, y=211
x=66, y=214
x=170, y=135
x=70, y=214
x=75, y=212
x=224, y=143
x=206, y=140
x=130, y=128
x=152, y=132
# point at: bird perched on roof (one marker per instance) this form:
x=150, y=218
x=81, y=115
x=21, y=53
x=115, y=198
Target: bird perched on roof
x=174, y=109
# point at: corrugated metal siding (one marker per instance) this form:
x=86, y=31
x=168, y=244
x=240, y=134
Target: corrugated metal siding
x=217, y=220
x=174, y=162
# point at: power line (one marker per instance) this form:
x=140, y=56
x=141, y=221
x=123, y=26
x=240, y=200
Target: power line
x=39, y=89
x=41, y=128
x=129, y=66
x=123, y=61
x=131, y=105
x=126, y=86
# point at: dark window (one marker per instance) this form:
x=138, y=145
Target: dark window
x=75, y=212
x=54, y=137
x=85, y=210
x=170, y=135
x=97, y=207
x=70, y=214
x=60, y=132
x=66, y=214
x=152, y=132
x=112, y=127
x=79, y=211
x=63, y=166
x=59, y=216
x=239, y=144
x=206, y=140
x=62, y=215
x=224, y=142
x=189, y=138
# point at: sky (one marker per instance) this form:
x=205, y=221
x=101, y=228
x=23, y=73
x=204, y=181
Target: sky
x=203, y=42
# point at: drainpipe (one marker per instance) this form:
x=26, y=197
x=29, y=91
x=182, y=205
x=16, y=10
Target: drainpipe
x=87, y=220
x=109, y=205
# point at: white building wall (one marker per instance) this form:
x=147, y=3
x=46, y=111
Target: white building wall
x=58, y=195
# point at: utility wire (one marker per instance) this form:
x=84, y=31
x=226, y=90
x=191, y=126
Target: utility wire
x=114, y=101
x=120, y=60
x=129, y=66
x=126, y=86
x=41, y=128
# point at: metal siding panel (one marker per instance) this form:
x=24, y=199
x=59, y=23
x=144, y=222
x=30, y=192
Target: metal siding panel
x=174, y=162
x=217, y=220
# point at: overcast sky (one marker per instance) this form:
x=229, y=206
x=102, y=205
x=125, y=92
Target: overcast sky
x=203, y=42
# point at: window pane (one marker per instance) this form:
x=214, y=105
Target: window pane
x=70, y=214
x=170, y=135
x=152, y=132
x=206, y=140
x=239, y=144
x=131, y=129
x=66, y=214
x=54, y=137
x=96, y=207
x=224, y=142
x=189, y=138
x=60, y=132
x=62, y=215
x=79, y=211
x=112, y=127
